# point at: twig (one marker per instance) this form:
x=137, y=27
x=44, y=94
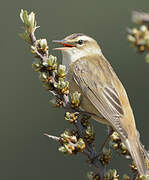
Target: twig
x=55, y=138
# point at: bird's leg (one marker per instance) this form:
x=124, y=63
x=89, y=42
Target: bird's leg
x=110, y=131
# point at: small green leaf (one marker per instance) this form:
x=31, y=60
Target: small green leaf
x=26, y=37
x=147, y=57
x=25, y=17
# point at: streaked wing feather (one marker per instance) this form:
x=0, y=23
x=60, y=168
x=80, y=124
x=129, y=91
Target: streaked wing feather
x=102, y=94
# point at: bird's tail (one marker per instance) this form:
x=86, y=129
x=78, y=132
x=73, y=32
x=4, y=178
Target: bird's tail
x=137, y=155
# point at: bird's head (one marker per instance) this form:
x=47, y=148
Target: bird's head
x=76, y=46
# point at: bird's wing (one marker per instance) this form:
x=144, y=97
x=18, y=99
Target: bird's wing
x=97, y=86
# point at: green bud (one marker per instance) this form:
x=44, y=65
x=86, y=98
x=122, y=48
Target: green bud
x=131, y=38
x=55, y=84
x=147, y=57
x=113, y=145
x=43, y=44
x=62, y=149
x=90, y=175
x=111, y=174
x=123, y=147
x=24, y=17
x=43, y=76
x=144, y=178
x=146, y=39
x=115, y=136
x=143, y=28
x=71, y=117
x=80, y=144
x=36, y=66
x=28, y=20
x=75, y=99
x=51, y=60
x=89, y=131
x=135, y=31
x=73, y=139
x=67, y=116
x=65, y=133
x=105, y=158
x=61, y=84
x=46, y=86
x=61, y=70
x=33, y=49
x=126, y=177
x=69, y=150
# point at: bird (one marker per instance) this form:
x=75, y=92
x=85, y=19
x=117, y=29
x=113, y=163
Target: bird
x=103, y=94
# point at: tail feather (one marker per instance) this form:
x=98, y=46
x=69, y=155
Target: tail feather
x=135, y=150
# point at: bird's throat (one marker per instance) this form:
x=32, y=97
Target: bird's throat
x=71, y=55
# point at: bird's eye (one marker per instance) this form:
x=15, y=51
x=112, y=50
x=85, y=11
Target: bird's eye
x=80, y=42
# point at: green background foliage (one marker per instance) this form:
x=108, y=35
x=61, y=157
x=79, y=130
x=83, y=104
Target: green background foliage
x=25, y=110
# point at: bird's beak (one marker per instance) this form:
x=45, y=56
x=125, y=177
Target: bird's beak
x=66, y=44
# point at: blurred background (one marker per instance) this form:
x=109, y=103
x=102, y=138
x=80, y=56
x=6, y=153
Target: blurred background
x=26, y=114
